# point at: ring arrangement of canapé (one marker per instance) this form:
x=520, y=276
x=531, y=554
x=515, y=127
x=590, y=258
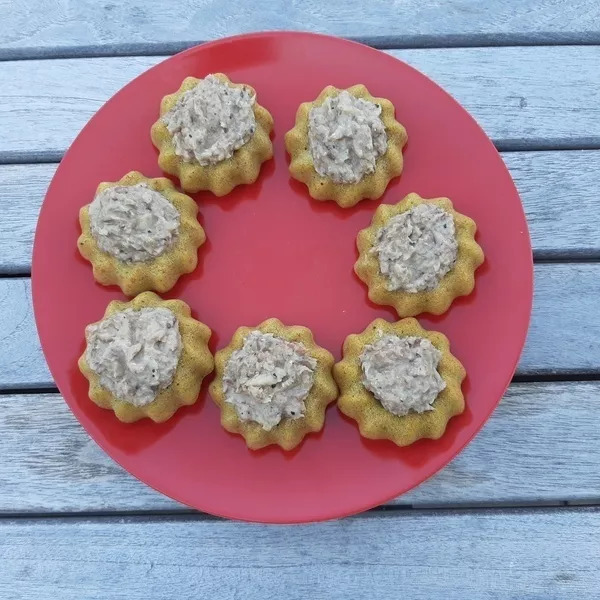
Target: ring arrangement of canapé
x=273, y=382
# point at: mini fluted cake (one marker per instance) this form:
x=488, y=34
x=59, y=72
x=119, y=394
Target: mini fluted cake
x=212, y=134
x=273, y=384
x=146, y=358
x=346, y=145
x=418, y=255
x=140, y=234
x=399, y=382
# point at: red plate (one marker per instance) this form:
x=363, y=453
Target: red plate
x=275, y=252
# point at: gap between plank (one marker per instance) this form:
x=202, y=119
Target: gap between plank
x=399, y=42
x=552, y=257
x=29, y=391
x=565, y=377
x=190, y=515
x=569, y=377
x=542, y=257
x=520, y=145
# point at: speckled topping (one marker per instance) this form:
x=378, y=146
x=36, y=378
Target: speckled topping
x=268, y=379
x=133, y=223
x=401, y=372
x=135, y=353
x=211, y=121
x=346, y=136
x=417, y=248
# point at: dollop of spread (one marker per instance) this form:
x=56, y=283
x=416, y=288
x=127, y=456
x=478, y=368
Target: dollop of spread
x=211, y=121
x=135, y=353
x=417, y=248
x=401, y=372
x=133, y=223
x=269, y=379
x=346, y=137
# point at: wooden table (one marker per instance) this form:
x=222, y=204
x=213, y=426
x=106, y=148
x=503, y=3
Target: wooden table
x=514, y=516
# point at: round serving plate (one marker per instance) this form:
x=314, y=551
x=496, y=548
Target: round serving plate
x=272, y=251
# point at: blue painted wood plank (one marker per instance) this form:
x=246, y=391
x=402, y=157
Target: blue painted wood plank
x=564, y=337
x=523, y=97
x=41, y=28
x=544, y=179
x=537, y=554
x=22, y=363
x=524, y=455
x=22, y=191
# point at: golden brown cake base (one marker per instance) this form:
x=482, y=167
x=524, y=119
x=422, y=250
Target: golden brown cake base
x=374, y=421
x=459, y=281
x=220, y=178
x=372, y=186
x=162, y=272
x=195, y=363
x=289, y=432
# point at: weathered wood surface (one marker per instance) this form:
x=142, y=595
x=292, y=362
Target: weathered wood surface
x=564, y=337
x=551, y=554
x=523, y=97
x=23, y=363
x=556, y=187
x=22, y=191
x=42, y=28
x=539, y=447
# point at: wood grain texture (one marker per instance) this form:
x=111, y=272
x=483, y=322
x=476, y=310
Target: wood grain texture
x=540, y=446
x=549, y=554
x=42, y=28
x=564, y=336
x=523, y=97
x=546, y=181
x=22, y=363
x=22, y=191
x=558, y=191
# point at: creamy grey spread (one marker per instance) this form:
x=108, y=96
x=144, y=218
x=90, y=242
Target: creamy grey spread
x=211, y=121
x=133, y=223
x=401, y=372
x=268, y=379
x=346, y=136
x=135, y=353
x=417, y=248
